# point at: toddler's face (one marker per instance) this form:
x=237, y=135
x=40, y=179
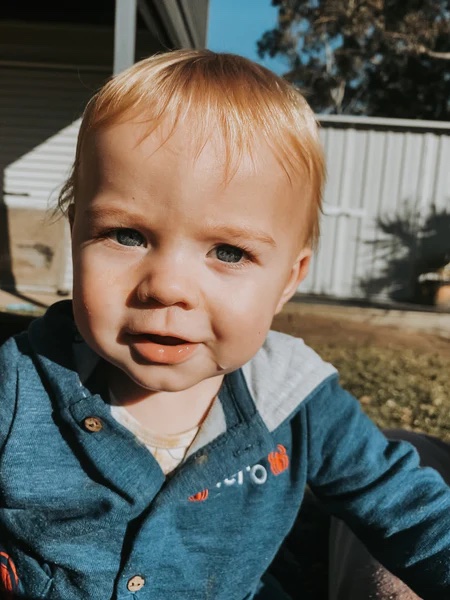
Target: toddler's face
x=178, y=272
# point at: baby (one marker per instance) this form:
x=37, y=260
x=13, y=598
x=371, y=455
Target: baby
x=155, y=437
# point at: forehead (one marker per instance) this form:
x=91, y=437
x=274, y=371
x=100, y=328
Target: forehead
x=171, y=158
x=138, y=140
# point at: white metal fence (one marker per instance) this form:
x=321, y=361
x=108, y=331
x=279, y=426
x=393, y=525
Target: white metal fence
x=388, y=188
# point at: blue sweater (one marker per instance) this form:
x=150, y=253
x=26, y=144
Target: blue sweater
x=86, y=512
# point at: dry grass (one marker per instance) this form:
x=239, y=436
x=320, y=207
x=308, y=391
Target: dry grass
x=400, y=377
x=397, y=387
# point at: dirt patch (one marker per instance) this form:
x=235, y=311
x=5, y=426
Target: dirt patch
x=319, y=330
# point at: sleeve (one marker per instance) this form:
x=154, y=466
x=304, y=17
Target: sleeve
x=400, y=510
x=9, y=360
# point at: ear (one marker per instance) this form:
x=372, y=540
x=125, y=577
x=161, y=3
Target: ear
x=297, y=274
x=71, y=215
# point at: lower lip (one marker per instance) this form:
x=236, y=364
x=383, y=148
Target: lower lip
x=163, y=354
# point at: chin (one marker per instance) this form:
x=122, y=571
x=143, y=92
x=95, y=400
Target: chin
x=162, y=384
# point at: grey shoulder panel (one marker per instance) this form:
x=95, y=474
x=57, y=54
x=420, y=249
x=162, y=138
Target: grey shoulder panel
x=282, y=375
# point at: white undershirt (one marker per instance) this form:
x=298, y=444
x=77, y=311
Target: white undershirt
x=168, y=449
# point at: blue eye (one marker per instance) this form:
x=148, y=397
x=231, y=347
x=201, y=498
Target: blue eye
x=229, y=254
x=128, y=237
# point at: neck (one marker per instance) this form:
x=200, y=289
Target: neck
x=166, y=412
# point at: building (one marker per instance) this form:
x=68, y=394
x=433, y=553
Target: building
x=53, y=57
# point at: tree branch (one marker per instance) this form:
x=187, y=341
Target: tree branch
x=432, y=54
x=325, y=20
x=415, y=48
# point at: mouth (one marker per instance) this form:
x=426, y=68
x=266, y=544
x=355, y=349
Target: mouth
x=161, y=349
x=163, y=340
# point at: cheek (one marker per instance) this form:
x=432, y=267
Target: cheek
x=240, y=345
x=243, y=314
x=242, y=327
x=94, y=296
x=94, y=278
x=97, y=322
x=253, y=302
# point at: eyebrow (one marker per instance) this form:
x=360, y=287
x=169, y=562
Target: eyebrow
x=110, y=211
x=233, y=232
x=242, y=232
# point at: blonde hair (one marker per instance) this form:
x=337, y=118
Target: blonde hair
x=224, y=92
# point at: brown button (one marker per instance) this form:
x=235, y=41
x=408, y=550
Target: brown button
x=93, y=424
x=135, y=583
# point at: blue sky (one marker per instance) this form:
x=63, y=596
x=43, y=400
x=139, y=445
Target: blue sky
x=236, y=25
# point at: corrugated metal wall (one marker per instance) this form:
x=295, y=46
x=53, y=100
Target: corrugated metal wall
x=384, y=178
x=38, y=108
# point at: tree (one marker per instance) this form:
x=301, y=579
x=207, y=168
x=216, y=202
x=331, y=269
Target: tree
x=375, y=57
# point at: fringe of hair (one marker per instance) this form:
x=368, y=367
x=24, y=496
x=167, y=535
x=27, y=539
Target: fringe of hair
x=216, y=92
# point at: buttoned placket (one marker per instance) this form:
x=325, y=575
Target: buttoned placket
x=246, y=441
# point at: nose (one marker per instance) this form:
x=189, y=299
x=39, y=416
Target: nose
x=168, y=281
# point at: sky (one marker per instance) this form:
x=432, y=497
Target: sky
x=236, y=25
